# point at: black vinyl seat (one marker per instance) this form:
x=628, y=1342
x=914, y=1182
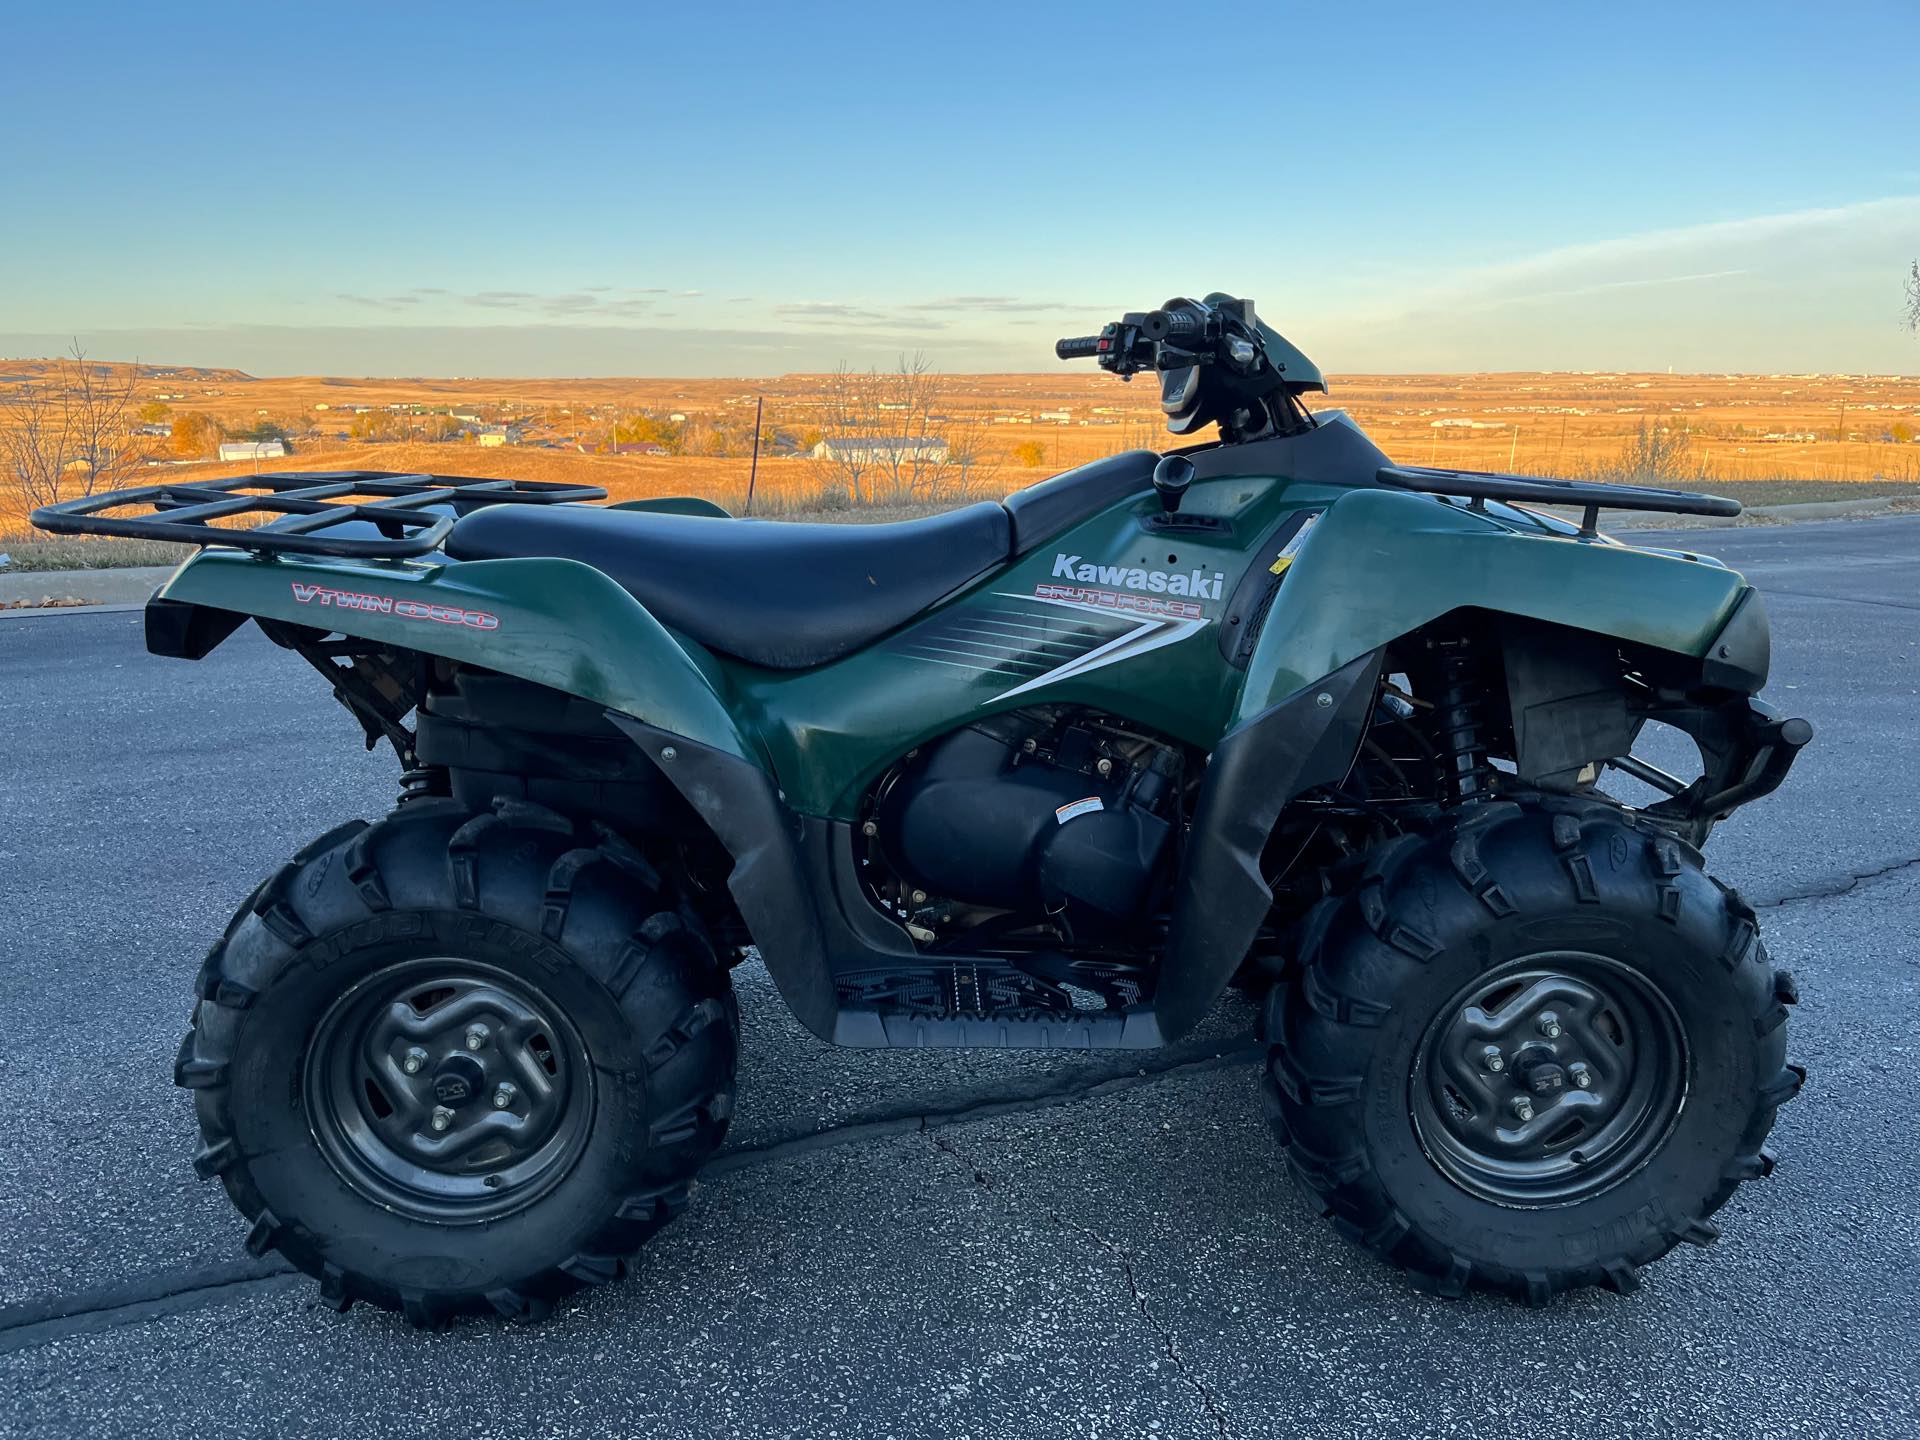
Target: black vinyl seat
x=1042, y=511
x=792, y=596
x=786, y=596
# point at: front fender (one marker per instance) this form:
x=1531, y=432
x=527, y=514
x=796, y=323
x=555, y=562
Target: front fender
x=1380, y=564
x=554, y=622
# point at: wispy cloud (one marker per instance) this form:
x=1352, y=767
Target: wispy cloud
x=1681, y=255
x=837, y=314
x=989, y=304
x=591, y=302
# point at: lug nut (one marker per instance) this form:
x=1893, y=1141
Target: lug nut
x=1549, y=1024
x=503, y=1095
x=477, y=1036
x=414, y=1060
x=1491, y=1057
x=442, y=1117
x=1522, y=1109
x=1581, y=1076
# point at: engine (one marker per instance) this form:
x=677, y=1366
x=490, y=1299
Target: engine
x=1061, y=817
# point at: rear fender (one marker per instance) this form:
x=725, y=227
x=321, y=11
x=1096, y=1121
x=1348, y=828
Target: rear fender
x=555, y=622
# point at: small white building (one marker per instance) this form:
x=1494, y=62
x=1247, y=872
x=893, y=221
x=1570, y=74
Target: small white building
x=882, y=450
x=252, y=450
x=497, y=435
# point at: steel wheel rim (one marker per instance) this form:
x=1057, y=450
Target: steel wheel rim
x=1549, y=1079
x=496, y=1112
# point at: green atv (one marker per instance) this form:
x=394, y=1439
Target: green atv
x=1050, y=773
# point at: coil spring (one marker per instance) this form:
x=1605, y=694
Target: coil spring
x=1467, y=775
x=416, y=783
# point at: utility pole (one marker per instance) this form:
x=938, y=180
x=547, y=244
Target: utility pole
x=753, y=471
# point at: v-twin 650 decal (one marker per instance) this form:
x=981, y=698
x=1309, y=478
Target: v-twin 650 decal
x=330, y=598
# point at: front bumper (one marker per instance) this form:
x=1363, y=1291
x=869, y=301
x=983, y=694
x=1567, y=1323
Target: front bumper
x=1748, y=746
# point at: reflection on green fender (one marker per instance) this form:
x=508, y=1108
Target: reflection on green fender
x=1380, y=564
x=555, y=622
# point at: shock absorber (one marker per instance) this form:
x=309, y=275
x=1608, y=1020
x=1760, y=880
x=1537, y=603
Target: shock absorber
x=1466, y=773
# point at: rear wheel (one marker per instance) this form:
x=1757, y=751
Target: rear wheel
x=454, y=1062
x=1532, y=1052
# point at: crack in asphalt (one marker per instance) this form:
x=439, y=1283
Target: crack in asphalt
x=1840, y=599
x=33, y=1325
x=1123, y=1257
x=1834, y=887
x=30, y=1325
x=1243, y=1051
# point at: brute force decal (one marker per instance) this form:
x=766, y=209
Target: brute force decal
x=1114, y=600
x=325, y=595
x=1196, y=583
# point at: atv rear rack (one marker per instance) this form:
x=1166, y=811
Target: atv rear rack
x=1592, y=496
x=413, y=515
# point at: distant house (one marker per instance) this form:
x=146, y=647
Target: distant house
x=252, y=449
x=882, y=450
x=497, y=435
x=637, y=447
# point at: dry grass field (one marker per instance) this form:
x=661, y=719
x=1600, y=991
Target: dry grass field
x=1767, y=437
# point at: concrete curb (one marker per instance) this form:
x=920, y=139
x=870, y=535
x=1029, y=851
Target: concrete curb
x=39, y=612
x=129, y=586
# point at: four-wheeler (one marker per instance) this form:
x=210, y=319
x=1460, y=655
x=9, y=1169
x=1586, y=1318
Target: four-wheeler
x=1053, y=771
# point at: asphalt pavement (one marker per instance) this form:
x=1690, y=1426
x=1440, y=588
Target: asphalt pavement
x=925, y=1244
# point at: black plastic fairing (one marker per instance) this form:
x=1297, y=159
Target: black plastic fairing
x=1741, y=654
x=181, y=631
x=1222, y=898
x=769, y=884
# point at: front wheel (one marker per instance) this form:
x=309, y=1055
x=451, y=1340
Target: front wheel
x=1531, y=1052
x=454, y=1062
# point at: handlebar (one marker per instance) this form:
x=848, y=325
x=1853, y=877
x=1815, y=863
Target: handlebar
x=1161, y=324
x=1083, y=347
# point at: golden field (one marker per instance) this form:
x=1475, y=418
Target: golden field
x=1739, y=428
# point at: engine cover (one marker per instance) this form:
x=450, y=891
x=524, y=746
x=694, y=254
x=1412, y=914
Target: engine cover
x=990, y=815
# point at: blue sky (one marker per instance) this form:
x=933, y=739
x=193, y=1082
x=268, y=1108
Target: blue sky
x=739, y=189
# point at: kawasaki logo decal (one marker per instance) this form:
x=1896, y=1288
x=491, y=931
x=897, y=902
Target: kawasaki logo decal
x=326, y=596
x=1196, y=583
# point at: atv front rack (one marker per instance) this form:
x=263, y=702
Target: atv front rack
x=1592, y=496
x=412, y=515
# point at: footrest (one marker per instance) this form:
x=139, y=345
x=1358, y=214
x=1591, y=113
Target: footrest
x=954, y=989
x=988, y=1004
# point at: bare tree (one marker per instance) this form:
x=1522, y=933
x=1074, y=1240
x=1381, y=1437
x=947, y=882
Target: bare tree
x=70, y=433
x=883, y=440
